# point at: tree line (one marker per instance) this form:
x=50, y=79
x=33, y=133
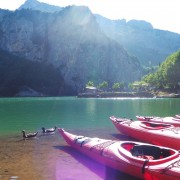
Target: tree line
x=165, y=78
x=105, y=85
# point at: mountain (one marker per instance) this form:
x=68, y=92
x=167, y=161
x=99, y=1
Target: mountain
x=70, y=40
x=40, y=6
x=151, y=46
x=78, y=46
x=19, y=76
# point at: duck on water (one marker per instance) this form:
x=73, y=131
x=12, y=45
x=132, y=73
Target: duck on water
x=29, y=135
x=50, y=130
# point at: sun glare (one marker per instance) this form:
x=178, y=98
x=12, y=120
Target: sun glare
x=161, y=14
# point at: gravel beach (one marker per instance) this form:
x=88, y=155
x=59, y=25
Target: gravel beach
x=48, y=158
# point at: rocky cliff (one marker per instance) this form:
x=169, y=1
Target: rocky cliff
x=72, y=41
x=40, y=6
x=151, y=46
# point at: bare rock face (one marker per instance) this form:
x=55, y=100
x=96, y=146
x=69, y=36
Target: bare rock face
x=28, y=92
x=40, y=6
x=151, y=46
x=72, y=41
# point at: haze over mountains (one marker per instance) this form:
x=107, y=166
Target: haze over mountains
x=150, y=45
x=82, y=46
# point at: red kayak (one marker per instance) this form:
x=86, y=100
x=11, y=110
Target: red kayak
x=168, y=120
x=155, y=133
x=137, y=159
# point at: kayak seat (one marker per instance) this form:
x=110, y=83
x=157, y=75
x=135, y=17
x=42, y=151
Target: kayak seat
x=165, y=153
x=128, y=146
x=154, y=126
x=145, y=150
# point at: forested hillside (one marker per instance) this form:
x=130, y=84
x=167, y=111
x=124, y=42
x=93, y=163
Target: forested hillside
x=168, y=75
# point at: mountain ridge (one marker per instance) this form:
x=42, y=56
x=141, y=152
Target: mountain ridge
x=151, y=46
x=70, y=40
x=81, y=45
x=36, y=5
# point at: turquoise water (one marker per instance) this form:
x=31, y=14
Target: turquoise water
x=50, y=155
x=76, y=113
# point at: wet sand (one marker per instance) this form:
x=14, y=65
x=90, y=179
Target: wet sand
x=50, y=158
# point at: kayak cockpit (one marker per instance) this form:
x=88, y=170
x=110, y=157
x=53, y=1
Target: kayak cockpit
x=154, y=126
x=147, y=151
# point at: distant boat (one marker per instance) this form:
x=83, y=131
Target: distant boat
x=169, y=120
x=155, y=133
x=137, y=159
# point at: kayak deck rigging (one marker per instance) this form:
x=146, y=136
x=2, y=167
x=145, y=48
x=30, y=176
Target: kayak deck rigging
x=142, y=160
x=100, y=147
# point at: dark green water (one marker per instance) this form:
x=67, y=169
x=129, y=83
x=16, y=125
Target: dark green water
x=76, y=113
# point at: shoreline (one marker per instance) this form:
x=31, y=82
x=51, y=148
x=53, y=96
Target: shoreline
x=30, y=159
x=50, y=158
x=116, y=94
x=127, y=95
x=111, y=95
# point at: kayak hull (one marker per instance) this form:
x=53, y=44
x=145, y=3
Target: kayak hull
x=116, y=154
x=161, y=134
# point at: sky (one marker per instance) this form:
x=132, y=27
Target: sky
x=162, y=14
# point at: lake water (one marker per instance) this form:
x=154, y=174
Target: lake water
x=49, y=157
x=76, y=113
